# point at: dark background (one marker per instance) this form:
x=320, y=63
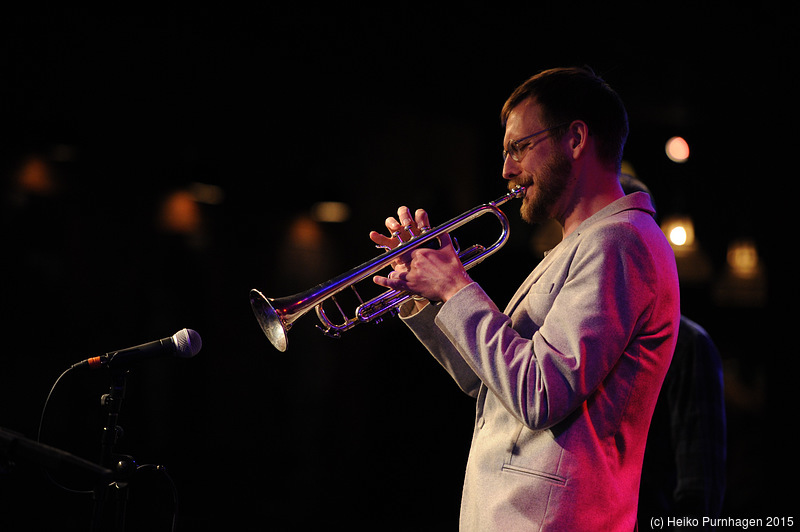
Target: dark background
x=105, y=114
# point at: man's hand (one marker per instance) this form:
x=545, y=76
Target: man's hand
x=435, y=274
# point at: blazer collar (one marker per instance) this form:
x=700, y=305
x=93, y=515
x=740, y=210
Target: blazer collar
x=635, y=201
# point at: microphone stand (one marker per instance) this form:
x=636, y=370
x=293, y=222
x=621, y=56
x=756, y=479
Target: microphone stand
x=122, y=466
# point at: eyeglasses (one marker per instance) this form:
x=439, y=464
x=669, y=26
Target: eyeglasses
x=515, y=149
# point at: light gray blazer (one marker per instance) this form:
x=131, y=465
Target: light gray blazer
x=566, y=379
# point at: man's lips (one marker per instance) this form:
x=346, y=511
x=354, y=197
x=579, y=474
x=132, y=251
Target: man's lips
x=527, y=185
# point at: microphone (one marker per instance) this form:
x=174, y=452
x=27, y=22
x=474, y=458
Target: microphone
x=185, y=343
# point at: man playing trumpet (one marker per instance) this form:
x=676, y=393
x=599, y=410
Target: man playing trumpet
x=567, y=376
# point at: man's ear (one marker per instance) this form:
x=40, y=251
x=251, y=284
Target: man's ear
x=577, y=138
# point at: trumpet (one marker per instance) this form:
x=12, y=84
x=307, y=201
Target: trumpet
x=276, y=315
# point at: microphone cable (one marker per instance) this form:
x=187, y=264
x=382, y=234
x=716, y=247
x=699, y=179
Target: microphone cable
x=146, y=467
x=39, y=438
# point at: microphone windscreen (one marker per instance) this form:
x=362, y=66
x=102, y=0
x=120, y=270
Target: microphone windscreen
x=187, y=343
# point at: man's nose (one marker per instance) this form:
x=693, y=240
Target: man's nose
x=511, y=168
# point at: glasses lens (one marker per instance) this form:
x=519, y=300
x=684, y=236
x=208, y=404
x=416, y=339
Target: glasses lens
x=512, y=151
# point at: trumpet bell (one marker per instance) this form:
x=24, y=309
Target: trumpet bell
x=270, y=320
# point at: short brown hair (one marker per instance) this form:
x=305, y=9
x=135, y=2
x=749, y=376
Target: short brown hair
x=567, y=94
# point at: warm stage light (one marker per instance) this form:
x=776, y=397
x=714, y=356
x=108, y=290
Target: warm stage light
x=678, y=236
x=680, y=231
x=35, y=176
x=693, y=264
x=677, y=149
x=744, y=282
x=330, y=211
x=208, y=194
x=180, y=213
x=743, y=259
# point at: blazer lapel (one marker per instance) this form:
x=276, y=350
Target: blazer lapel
x=534, y=276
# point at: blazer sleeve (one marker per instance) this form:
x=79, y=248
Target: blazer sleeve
x=542, y=377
